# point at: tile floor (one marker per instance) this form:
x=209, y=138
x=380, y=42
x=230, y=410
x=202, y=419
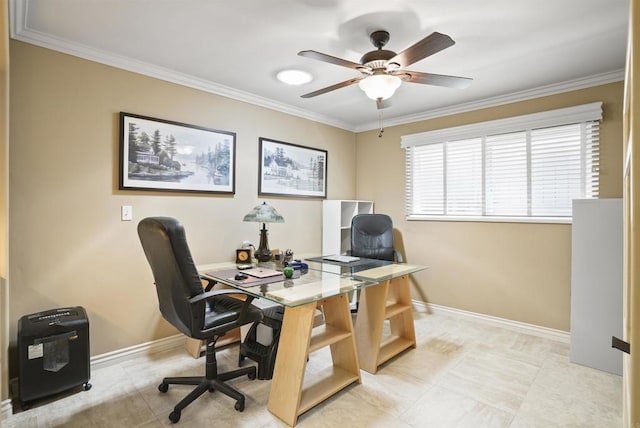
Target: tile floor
x=462, y=374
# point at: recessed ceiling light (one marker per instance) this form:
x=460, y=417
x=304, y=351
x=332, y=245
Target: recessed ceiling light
x=294, y=77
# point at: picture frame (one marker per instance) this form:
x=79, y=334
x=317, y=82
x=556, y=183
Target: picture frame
x=287, y=169
x=163, y=155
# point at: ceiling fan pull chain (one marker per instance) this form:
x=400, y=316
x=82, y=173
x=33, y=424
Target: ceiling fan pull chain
x=381, y=124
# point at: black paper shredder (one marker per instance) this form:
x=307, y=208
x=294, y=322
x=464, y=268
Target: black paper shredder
x=53, y=352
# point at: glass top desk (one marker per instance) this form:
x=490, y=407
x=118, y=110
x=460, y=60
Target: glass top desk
x=389, y=300
x=328, y=285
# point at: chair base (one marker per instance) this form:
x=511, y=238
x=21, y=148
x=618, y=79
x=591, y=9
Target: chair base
x=213, y=381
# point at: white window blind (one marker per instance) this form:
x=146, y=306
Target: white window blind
x=521, y=168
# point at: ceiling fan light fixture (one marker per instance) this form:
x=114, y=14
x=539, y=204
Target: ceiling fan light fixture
x=294, y=77
x=380, y=86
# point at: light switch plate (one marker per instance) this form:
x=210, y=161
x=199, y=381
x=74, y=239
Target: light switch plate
x=127, y=213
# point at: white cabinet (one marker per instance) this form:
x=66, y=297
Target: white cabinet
x=336, y=223
x=596, y=283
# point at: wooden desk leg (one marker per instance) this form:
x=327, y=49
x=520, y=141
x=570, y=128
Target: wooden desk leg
x=388, y=300
x=402, y=324
x=194, y=346
x=291, y=362
x=369, y=323
x=343, y=353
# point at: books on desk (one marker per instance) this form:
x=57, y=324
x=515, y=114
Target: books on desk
x=341, y=258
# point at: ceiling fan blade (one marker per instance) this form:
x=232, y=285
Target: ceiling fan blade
x=437, y=79
x=433, y=43
x=330, y=59
x=332, y=87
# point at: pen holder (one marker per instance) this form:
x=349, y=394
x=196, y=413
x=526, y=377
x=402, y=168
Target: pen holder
x=278, y=261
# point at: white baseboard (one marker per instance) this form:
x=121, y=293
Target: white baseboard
x=6, y=410
x=115, y=357
x=534, y=330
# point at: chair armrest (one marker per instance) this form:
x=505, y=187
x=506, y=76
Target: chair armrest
x=201, y=299
x=213, y=293
x=210, y=283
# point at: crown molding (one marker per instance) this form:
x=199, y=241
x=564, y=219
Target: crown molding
x=542, y=91
x=20, y=31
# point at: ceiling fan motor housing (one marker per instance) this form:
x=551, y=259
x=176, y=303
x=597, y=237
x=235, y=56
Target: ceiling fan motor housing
x=377, y=59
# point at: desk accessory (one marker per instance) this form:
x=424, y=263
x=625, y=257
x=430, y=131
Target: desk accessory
x=297, y=265
x=264, y=214
x=243, y=258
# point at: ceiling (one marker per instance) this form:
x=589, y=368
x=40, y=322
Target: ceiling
x=513, y=50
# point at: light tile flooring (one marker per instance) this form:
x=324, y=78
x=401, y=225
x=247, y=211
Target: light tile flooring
x=462, y=374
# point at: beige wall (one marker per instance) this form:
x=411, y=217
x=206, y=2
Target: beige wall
x=516, y=271
x=67, y=243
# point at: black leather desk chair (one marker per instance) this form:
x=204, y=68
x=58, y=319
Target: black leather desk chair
x=194, y=312
x=372, y=237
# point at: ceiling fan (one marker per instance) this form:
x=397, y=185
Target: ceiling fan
x=383, y=70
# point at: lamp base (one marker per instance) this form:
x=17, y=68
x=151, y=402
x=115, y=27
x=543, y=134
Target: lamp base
x=263, y=253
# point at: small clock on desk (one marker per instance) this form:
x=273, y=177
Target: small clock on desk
x=243, y=258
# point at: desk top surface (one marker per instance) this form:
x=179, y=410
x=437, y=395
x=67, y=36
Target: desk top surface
x=323, y=279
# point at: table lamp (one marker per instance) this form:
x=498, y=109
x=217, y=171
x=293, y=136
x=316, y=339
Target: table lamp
x=264, y=214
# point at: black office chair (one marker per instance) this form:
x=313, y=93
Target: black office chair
x=372, y=237
x=194, y=312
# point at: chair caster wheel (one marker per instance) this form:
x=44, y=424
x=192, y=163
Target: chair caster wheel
x=174, y=416
x=164, y=387
x=86, y=386
x=252, y=376
x=239, y=405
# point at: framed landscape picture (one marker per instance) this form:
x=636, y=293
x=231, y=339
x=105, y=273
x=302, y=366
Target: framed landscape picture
x=291, y=170
x=162, y=155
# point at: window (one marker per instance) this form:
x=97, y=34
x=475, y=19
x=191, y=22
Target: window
x=525, y=168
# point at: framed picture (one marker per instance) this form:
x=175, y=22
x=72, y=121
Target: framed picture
x=162, y=155
x=291, y=170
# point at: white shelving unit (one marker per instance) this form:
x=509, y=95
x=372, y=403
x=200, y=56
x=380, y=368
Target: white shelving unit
x=336, y=223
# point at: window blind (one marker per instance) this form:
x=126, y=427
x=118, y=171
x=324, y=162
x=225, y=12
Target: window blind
x=517, y=168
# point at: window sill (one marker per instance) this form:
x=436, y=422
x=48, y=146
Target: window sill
x=492, y=219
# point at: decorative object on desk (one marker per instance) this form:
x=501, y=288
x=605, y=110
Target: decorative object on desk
x=288, y=255
x=278, y=259
x=288, y=272
x=291, y=170
x=163, y=155
x=243, y=258
x=264, y=214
